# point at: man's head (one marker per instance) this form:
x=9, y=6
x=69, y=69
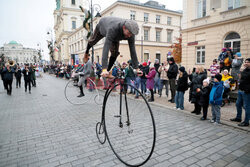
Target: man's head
x=214, y=61
x=247, y=63
x=130, y=28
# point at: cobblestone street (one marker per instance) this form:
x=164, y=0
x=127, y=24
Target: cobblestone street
x=43, y=129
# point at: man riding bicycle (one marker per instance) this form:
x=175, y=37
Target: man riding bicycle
x=114, y=29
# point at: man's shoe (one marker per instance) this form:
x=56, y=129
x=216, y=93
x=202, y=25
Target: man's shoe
x=198, y=113
x=81, y=95
x=202, y=118
x=29, y=92
x=193, y=112
x=170, y=100
x=136, y=97
x=150, y=100
x=243, y=124
x=235, y=120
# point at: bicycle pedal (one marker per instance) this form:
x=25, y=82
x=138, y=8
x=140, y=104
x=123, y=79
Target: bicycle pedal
x=117, y=116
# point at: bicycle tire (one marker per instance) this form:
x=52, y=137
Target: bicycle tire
x=100, y=133
x=72, y=90
x=132, y=144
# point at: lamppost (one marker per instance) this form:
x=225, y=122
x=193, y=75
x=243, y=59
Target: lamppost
x=51, y=46
x=142, y=31
x=92, y=7
x=97, y=8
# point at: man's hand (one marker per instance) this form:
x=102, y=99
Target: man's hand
x=86, y=58
x=105, y=73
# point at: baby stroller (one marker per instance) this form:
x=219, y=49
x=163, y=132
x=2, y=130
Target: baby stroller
x=227, y=89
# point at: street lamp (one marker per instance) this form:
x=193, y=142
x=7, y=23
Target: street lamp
x=97, y=8
x=51, y=46
x=142, y=31
x=92, y=7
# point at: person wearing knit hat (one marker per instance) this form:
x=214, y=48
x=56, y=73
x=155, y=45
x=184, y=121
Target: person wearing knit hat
x=204, y=92
x=236, y=65
x=114, y=29
x=182, y=86
x=218, y=77
x=150, y=81
x=172, y=74
x=215, y=99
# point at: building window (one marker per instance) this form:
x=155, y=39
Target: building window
x=169, y=36
x=145, y=35
x=73, y=24
x=146, y=57
x=158, y=18
x=158, y=36
x=73, y=2
x=232, y=4
x=232, y=40
x=145, y=17
x=200, y=55
x=132, y=15
x=158, y=56
x=169, y=21
x=201, y=8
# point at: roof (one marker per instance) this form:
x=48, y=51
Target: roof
x=149, y=4
x=13, y=42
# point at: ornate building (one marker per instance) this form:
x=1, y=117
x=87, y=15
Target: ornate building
x=67, y=18
x=209, y=25
x=15, y=51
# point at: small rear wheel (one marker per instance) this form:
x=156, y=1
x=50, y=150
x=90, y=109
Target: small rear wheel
x=101, y=136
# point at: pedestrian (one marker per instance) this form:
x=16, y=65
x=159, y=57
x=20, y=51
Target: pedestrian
x=2, y=76
x=8, y=77
x=172, y=74
x=243, y=95
x=157, y=76
x=163, y=77
x=130, y=76
x=18, y=75
x=33, y=75
x=182, y=86
x=236, y=65
x=204, y=97
x=196, y=82
x=145, y=71
x=228, y=60
x=114, y=29
x=27, y=77
x=150, y=81
x=222, y=57
x=215, y=99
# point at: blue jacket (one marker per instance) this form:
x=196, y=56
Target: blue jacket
x=216, y=93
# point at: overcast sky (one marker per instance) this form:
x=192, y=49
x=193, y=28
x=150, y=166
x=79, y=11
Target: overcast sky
x=27, y=21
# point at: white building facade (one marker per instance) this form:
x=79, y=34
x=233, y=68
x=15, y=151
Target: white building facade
x=19, y=54
x=67, y=18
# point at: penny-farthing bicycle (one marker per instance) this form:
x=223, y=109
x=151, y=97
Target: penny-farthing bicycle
x=127, y=124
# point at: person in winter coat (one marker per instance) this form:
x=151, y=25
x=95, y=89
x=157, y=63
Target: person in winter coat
x=33, y=75
x=196, y=82
x=182, y=86
x=228, y=60
x=163, y=77
x=150, y=81
x=130, y=76
x=236, y=65
x=18, y=75
x=2, y=77
x=243, y=95
x=157, y=76
x=145, y=71
x=215, y=99
x=222, y=57
x=214, y=68
x=172, y=74
x=8, y=78
x=27, y=72
x=204, y=97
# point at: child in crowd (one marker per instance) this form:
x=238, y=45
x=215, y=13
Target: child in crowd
x=204, y=97
x=215, y=99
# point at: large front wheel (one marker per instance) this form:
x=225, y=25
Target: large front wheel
x=129, y=126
